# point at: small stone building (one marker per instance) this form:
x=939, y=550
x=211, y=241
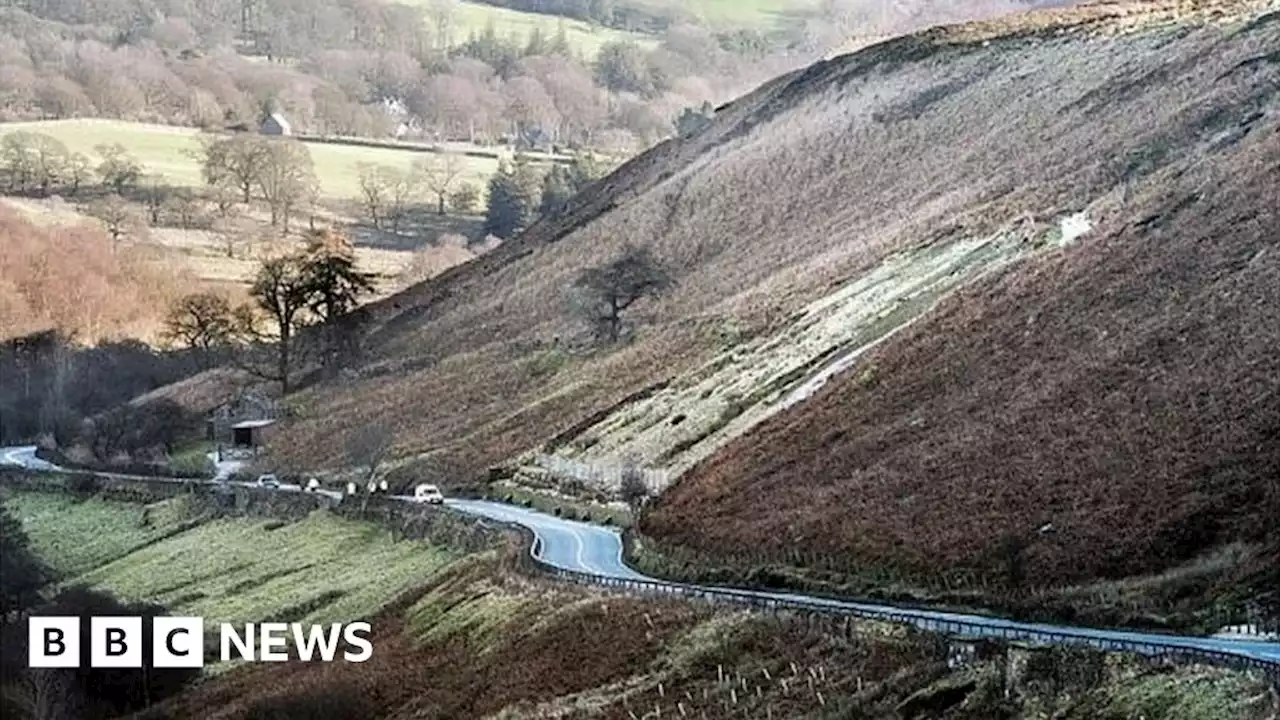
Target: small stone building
x=251, y=434
x=243, y=422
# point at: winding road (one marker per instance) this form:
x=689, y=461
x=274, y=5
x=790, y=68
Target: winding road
x=596, y=552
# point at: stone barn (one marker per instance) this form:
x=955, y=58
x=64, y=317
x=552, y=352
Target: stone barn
x=251, y=434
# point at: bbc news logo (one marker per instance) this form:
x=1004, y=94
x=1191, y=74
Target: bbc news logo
x=178, y=642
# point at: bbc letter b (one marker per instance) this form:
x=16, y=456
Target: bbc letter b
x=53, y=642
x=115, y=642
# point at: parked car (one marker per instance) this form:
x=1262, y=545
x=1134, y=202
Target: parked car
x=269, y=480
x=428, y=494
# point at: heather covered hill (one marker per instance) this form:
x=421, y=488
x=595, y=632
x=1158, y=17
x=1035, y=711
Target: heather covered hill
x=1109, y=410
x=993, y=131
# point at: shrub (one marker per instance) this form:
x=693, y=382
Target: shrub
x=84, y=486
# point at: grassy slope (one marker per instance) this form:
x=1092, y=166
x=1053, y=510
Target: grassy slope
x=320, y=569
x=482, y=643
x=164, y=150
x=585, y=38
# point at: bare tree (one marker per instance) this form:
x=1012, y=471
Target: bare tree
x=34, y=160
x=237, y=161
x=79, y=171
x=185, y=206
x=287, y=179
x=632, y=487
x=117, y=216
x=373, y=192
x=282, y=290
x=439, y=173
x=601, y=295
x=118, y=169
x=369, y=448
x=386, y=193
x=155, y=194
x=203, y=322
x=231, y=231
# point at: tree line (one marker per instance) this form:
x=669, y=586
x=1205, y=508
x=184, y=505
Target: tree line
x=362, y=68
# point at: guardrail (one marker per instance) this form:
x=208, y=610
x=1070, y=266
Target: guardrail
x=993, y=629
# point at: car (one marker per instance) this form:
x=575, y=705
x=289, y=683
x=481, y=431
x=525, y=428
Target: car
x=428, y=494
x=269, y=480
x=313, y=485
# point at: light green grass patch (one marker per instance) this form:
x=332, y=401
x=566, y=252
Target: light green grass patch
x=74, y=537
x=167, y=151
x=321, y=569
x=585, y=38
x=728, y=14
x=1196, y=694
x=479, y=619
x=193, y=458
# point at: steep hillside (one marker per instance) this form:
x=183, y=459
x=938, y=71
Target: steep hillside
x=1033, y=253
x=798, y=190
x=1106, y=411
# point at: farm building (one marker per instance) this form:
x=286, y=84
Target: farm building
x=250, y=434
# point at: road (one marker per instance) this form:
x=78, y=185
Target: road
x=597, y=551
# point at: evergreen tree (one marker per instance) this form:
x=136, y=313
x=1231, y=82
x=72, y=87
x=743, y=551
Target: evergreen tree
x=513, y=198
x=537, y=43
x=566, y=181
x=329, y=270
x=558, y=187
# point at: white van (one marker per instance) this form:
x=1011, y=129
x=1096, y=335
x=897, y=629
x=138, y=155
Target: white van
x=428, y=494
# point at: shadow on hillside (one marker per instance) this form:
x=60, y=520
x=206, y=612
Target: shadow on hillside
x=419, y=227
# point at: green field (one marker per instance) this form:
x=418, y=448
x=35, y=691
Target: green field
x=321, y=569
x=725, y=14
x=584, y=37
x=587, y=38
x=166, y=151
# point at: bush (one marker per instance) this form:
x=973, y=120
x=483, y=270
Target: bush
x=84, y=486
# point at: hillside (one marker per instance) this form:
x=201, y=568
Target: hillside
x=1036, y=239
x=469, y=635
x=319, y=569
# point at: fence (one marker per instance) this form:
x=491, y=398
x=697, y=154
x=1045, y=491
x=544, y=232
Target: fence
x=994, y=628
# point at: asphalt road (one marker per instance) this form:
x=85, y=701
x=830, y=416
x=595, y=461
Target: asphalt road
x=594, y=550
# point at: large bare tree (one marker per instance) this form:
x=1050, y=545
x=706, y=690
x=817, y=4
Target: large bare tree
x=440, y=173
x=203, y=322
x=602, y=294
x=287, y=179
x=282, y=291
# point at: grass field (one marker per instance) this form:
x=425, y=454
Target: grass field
x=584, y=37
x=722, y=14
x=587, y=38
x=166, y=151
x=321, y=569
